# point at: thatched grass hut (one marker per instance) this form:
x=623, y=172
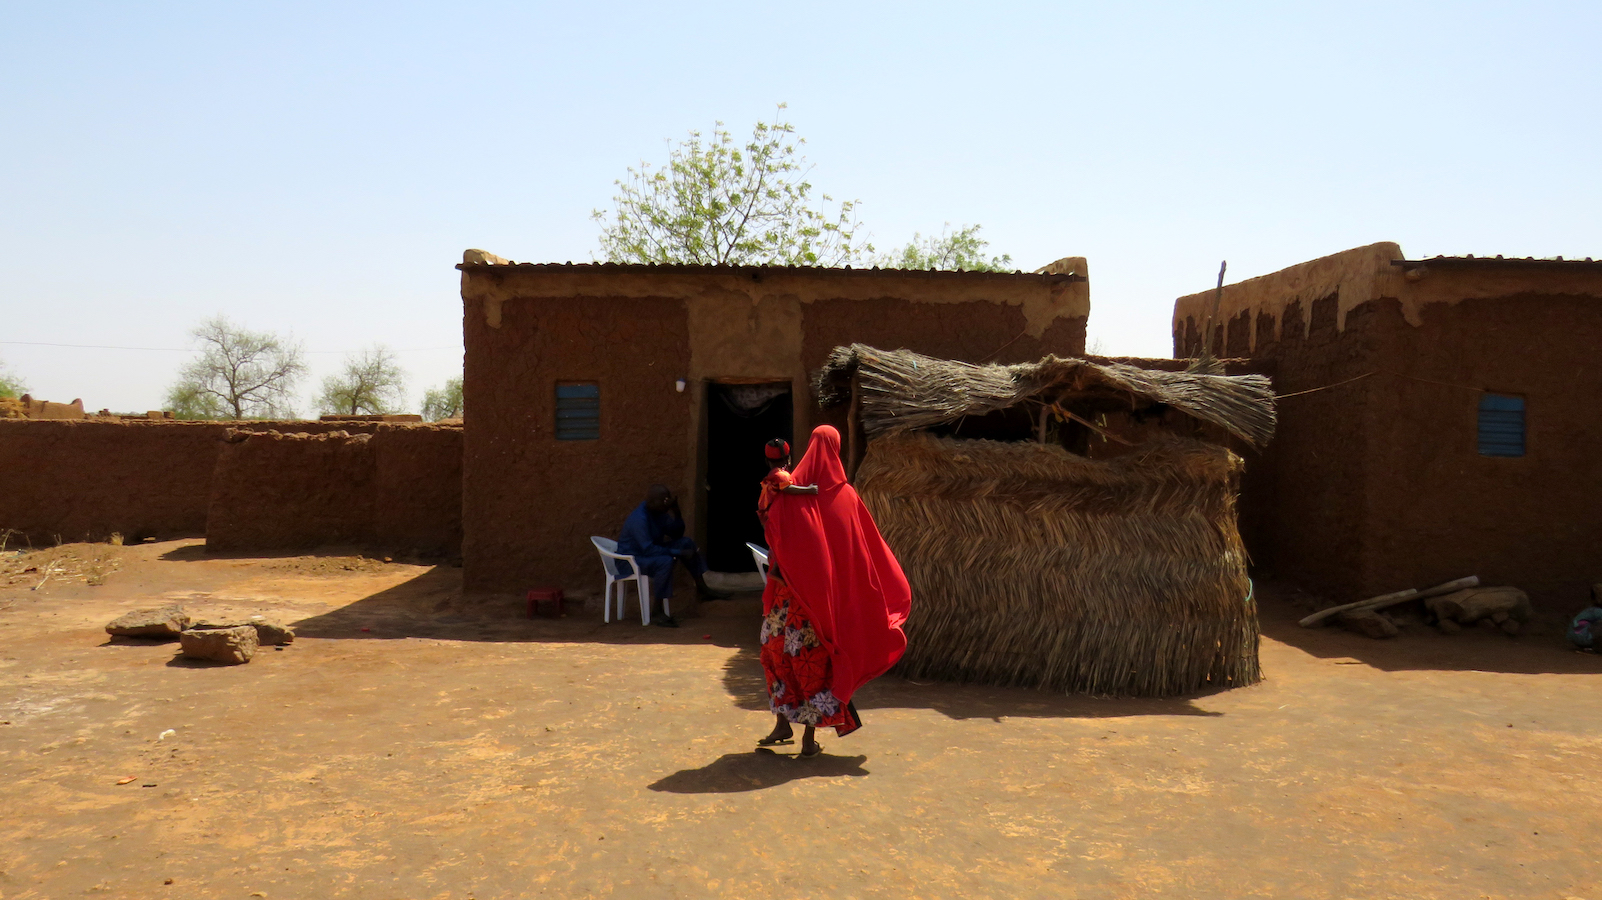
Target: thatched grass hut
x=1067, y=524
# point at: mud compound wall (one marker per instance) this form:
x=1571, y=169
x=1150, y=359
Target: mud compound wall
x=418, y=489
x=531, y=502
x=395, y=488
x=245, y=485
x=84, y=480
x=276, y=491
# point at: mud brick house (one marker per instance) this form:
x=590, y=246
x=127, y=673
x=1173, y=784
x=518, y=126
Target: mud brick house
x=1438, y=418
x=587, y=383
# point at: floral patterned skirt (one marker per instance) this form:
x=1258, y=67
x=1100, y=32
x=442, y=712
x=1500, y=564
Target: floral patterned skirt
x=798, y=669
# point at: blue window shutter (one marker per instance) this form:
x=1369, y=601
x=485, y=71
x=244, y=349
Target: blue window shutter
x=578, y=411
x=1501, y=430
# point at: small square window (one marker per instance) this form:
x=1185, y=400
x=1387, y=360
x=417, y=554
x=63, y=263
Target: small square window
x=578, y=411
x=1501, y=430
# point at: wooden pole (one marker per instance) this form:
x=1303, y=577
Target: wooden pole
x=1105, y=434
x=1204, y=361
x=854, y=438
x=1218, y=304
x=1385, y=600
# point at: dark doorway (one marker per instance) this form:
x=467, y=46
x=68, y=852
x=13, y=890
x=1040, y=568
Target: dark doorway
x=740, y=419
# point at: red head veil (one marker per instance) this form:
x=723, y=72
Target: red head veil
x=841, y=571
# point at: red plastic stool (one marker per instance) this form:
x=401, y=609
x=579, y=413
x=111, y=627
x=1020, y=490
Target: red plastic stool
x=545, y=595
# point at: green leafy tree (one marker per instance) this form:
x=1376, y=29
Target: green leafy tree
x=443, y=402
x=10, y=385
x=372, y=384
x=718, y=202
x=240, y=374
x=961, y=250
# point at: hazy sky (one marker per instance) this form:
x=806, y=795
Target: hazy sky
x=318, y=168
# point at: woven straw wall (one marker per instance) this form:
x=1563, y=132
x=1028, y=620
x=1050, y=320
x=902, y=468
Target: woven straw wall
x=1032, y=566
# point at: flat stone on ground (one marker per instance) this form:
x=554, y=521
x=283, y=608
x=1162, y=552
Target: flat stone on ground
x=1368, y=622
x=270, y=633
x=163, y=622
x=1472, y=605
x=220, y=643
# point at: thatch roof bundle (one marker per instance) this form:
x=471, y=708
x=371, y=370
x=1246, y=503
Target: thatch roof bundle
x=902, y=391
x=1033, y=566
x=1106, y=572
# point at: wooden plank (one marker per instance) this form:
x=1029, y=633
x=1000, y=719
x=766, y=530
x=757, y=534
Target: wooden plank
x=1370, y=603
x=1450, y=586
x=1392, y=599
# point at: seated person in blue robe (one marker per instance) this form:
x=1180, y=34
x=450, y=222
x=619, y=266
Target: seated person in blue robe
x=1586, y=628
x=654, y=535
x=1585, y=632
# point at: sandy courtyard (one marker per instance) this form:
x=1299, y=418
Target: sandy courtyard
x=410, y=745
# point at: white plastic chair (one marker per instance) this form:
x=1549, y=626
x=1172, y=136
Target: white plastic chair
x=760, y=554
x=610, y=560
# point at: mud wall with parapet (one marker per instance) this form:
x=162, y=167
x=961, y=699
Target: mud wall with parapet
x=390, y=487
x=1249, y=310
x=47, y=409
x=1377, y=484
x=1437, y=508
x=530, y=502
x=1256, y=308
x=82, y=480
x=1303, y=507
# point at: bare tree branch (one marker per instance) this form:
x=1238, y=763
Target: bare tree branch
x=372, y=383
x=239, y=374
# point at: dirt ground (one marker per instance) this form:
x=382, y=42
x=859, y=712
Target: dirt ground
x=410, y=744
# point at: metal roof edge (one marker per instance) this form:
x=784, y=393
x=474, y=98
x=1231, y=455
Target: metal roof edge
x=1492, y=261
x=676, y=269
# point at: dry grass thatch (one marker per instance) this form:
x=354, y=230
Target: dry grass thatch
x=903, y=391
x=1033, y=566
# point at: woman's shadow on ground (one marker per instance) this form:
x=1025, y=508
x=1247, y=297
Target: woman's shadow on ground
x=736, y=772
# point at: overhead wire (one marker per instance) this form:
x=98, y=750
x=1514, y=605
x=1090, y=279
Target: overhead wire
x=195, y=349
x=1337, y=384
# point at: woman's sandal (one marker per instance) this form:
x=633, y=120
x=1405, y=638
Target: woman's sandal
x=775, y=742
x=809, y=752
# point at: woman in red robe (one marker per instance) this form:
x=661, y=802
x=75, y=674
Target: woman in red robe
x=835, y=600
